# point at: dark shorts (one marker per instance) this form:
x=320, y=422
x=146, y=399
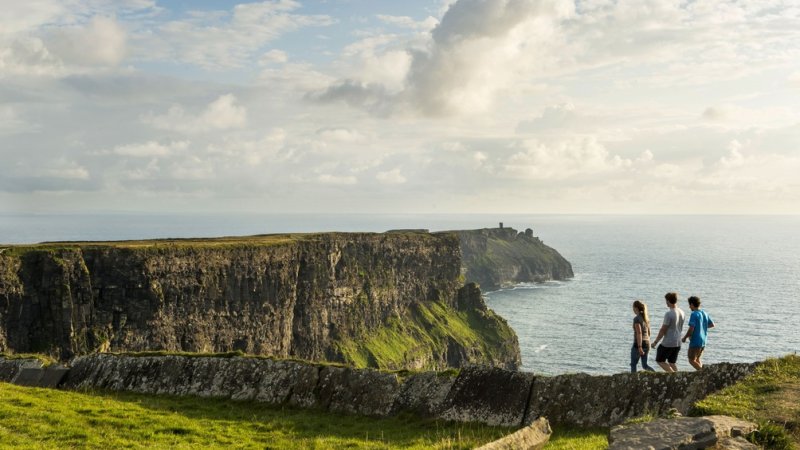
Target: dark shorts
x=669, y=354
x=696, y=352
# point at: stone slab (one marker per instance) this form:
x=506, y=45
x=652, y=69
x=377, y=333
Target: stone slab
x=9, y=368
x=53, y=377
x=532, y=437
x=489, y=395
x=28, y=376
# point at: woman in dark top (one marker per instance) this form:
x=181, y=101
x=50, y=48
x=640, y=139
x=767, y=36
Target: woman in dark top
x=641, y=336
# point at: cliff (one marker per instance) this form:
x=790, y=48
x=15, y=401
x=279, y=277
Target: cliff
x=392, y=300
x=499, y=257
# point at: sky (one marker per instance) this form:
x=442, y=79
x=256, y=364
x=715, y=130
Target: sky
x=361, y=106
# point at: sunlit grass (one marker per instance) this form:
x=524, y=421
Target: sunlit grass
x=46, y=418
x=770, y=397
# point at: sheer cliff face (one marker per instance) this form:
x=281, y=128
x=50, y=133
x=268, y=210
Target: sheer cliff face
x=316, y=297
x=498, y=257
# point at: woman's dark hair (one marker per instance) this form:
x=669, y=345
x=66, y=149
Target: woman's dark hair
x=694, y=301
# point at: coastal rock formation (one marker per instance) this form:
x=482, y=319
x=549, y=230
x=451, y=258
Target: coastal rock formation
x=392, y=300
x=499, y=257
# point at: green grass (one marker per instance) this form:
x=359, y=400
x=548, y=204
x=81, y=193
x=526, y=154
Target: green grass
x=770, y=397
x=46, y=418
x=567, y=438
x=428, y=330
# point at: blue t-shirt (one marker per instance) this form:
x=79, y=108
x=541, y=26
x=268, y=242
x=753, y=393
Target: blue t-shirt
x=700, y=320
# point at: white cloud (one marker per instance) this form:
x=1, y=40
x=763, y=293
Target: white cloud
x=101, y=42
x=343, y=180
x=11, y=123
x=63, y=169
x=273, y=56
x=151, y=149
x=223, y=39
x=224, y=113
x=340, y=135
x=407, y=22
x=393, y=176
x=192, y=168
x=563, y=159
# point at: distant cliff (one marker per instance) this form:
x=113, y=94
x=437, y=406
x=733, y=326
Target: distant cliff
x=498, y=257
x=392, y=300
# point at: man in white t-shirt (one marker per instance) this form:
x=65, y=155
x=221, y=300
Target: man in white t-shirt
x=671, y=330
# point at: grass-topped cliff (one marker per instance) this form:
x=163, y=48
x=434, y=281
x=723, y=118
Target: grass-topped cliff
x=498, y=257
x=389, y=300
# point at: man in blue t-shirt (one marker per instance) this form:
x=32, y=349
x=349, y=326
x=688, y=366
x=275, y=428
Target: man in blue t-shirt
x=699, y=323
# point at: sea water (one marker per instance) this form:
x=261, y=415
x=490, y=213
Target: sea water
x=746, y=270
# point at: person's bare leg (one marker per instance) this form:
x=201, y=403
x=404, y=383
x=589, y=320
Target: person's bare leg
x=664, y=365
x=673, y=366
x=696, y=363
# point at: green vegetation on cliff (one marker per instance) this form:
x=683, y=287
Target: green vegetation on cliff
x=48, y=418
x=434, y=329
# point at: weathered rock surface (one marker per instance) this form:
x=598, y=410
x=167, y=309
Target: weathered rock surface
x=487, y=395
x=532, y=437
x=585, y=400
x=498, y=257
x=320, y=297
x=684, y=433
x=9, y=368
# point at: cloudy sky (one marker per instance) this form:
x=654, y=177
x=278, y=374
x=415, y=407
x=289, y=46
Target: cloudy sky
x=439, y=106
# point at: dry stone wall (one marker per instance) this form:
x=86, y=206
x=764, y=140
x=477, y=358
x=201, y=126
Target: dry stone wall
x=477, y=394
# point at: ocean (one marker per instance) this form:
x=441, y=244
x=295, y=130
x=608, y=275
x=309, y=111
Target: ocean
x=745, y=269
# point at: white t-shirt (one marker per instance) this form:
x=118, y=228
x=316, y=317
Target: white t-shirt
x=673, y=320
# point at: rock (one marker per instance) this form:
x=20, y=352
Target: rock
x=735, y=443
x=488, y=395
x=9, y=368
x=532, y=437
x=497, y=257
x=28, y=376
x=584, y=400
x=684, y=433
x=424, y=394
x=364, y=392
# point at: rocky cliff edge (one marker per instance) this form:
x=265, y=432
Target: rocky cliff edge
x=391, y=300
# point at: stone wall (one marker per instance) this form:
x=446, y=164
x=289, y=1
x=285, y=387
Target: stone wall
x=487, y=395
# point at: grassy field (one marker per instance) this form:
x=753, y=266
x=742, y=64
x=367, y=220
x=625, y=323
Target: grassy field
x=770, y=397
x=47, y=418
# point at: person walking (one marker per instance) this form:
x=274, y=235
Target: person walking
x=667, y=352
x=699, y=323
x=641, y=336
